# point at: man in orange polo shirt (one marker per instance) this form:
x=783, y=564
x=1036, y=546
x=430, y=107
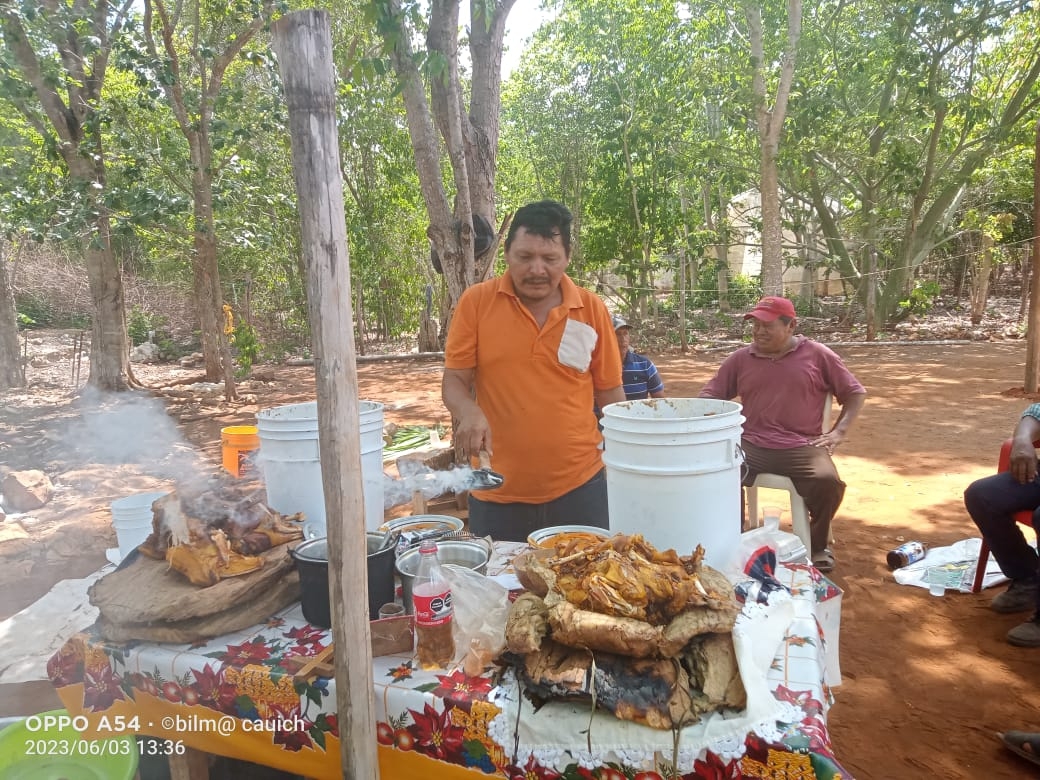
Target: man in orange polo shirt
x=528, y=355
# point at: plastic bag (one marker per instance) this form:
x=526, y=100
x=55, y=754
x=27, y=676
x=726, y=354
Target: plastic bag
x=753, y=573
x=481, y=607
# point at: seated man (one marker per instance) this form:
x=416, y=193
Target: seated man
x=782, y=380
x=992, y=503
x=639, y=374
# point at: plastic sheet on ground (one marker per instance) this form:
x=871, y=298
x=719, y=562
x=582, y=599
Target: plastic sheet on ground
x=30, y=637
x=953, y=567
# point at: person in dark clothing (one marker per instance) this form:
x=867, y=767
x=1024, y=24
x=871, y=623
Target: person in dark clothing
x=992, y=502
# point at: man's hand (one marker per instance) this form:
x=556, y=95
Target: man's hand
x=829, y=440
x=1023, y=454
x=1023, y=461
x=472, y=432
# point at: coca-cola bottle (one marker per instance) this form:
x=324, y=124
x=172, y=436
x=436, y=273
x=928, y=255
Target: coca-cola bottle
x=431, y=604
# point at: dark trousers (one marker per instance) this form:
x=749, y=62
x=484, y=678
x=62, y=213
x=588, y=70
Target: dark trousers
x=814, y=476
x=991, y=502
x=585, y=505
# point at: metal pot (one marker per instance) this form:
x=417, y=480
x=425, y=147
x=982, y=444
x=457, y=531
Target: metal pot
x=312, y=562
x=471, y=553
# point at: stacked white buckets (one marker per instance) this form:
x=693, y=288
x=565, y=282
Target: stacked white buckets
x=673, y=473
x=292, y=466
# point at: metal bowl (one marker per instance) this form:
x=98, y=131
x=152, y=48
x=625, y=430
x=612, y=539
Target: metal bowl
x=540, y=537
x=471, y=553
x=414, y=528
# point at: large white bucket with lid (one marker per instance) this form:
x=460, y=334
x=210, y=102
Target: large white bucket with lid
x=291, y=462
x=673, y=473
x=132, y=519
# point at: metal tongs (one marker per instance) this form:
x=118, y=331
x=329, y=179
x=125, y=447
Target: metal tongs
x=484, y=478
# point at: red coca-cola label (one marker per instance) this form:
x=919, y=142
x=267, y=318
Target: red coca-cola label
x=432, y=609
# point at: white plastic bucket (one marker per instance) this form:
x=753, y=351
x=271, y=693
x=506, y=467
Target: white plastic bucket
x=292, y=465
x=673, y=473
x=132, y=519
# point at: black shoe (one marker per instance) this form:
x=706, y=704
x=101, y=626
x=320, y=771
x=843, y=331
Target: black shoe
x=1026, y=634
x=1019, y=597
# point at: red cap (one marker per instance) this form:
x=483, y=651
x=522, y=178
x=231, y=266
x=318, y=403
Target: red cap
x=771, y=307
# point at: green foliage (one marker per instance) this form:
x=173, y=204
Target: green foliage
x=247, y=347
x=921, y=297
x=140, y=323
x=744, y=291
x=35, y=311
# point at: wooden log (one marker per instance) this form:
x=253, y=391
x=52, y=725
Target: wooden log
x=191, y=765
x=147, y=591
x=303, y=44
x=267, y=601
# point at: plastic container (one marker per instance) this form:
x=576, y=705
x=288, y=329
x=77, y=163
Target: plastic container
x=673, y=473
x=111, y=759
x=132, y=519
x=291, y=462
x=431, y=604
x=312, y=562
x=236, y=443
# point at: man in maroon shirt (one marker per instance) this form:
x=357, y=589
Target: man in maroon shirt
x=782, y=380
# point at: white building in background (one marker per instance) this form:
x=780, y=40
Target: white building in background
x=745, y=250
x=745, y=254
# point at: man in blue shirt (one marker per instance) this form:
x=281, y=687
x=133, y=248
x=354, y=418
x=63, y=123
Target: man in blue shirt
x=638, y=373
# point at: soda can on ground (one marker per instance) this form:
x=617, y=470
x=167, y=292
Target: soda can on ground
x=905, y=554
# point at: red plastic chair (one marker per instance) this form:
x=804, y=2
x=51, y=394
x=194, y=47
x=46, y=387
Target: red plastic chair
x=1025, y=517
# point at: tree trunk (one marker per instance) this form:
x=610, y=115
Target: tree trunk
x=303, y=43
x=980, y=281
x=194, y=115
x=83, y=76
x=1033, y=330
x=216, y=349
x=12, y=373
x=772, y=232
x=1025, y=265
x=770, y=124
x=109, y=342
x=209, y=299
x=470, y=139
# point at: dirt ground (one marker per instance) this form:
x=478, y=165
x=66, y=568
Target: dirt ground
x=927, y=682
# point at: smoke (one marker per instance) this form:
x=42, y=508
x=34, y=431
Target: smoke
x=423, y=478
x=131, y=428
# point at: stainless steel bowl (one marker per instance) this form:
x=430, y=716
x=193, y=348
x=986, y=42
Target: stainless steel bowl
x=414, y=528
x=470, y=553
x=542, y=535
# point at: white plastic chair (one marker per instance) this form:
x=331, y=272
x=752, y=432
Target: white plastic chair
x=799, y=514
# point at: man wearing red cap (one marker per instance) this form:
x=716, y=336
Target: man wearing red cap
x=782, y=380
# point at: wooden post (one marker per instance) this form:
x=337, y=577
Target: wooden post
x=1032, y=379
x=303, y=44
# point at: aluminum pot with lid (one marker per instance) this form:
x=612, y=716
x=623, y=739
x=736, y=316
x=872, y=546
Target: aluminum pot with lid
x=472, y=553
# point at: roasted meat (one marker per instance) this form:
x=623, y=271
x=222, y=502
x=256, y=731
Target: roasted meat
x=216, y=532
x=625, y=576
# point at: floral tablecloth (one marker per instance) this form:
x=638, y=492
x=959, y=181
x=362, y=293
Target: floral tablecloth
x=237, y=696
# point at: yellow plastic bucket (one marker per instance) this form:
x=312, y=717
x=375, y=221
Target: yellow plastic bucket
x=236, y=442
